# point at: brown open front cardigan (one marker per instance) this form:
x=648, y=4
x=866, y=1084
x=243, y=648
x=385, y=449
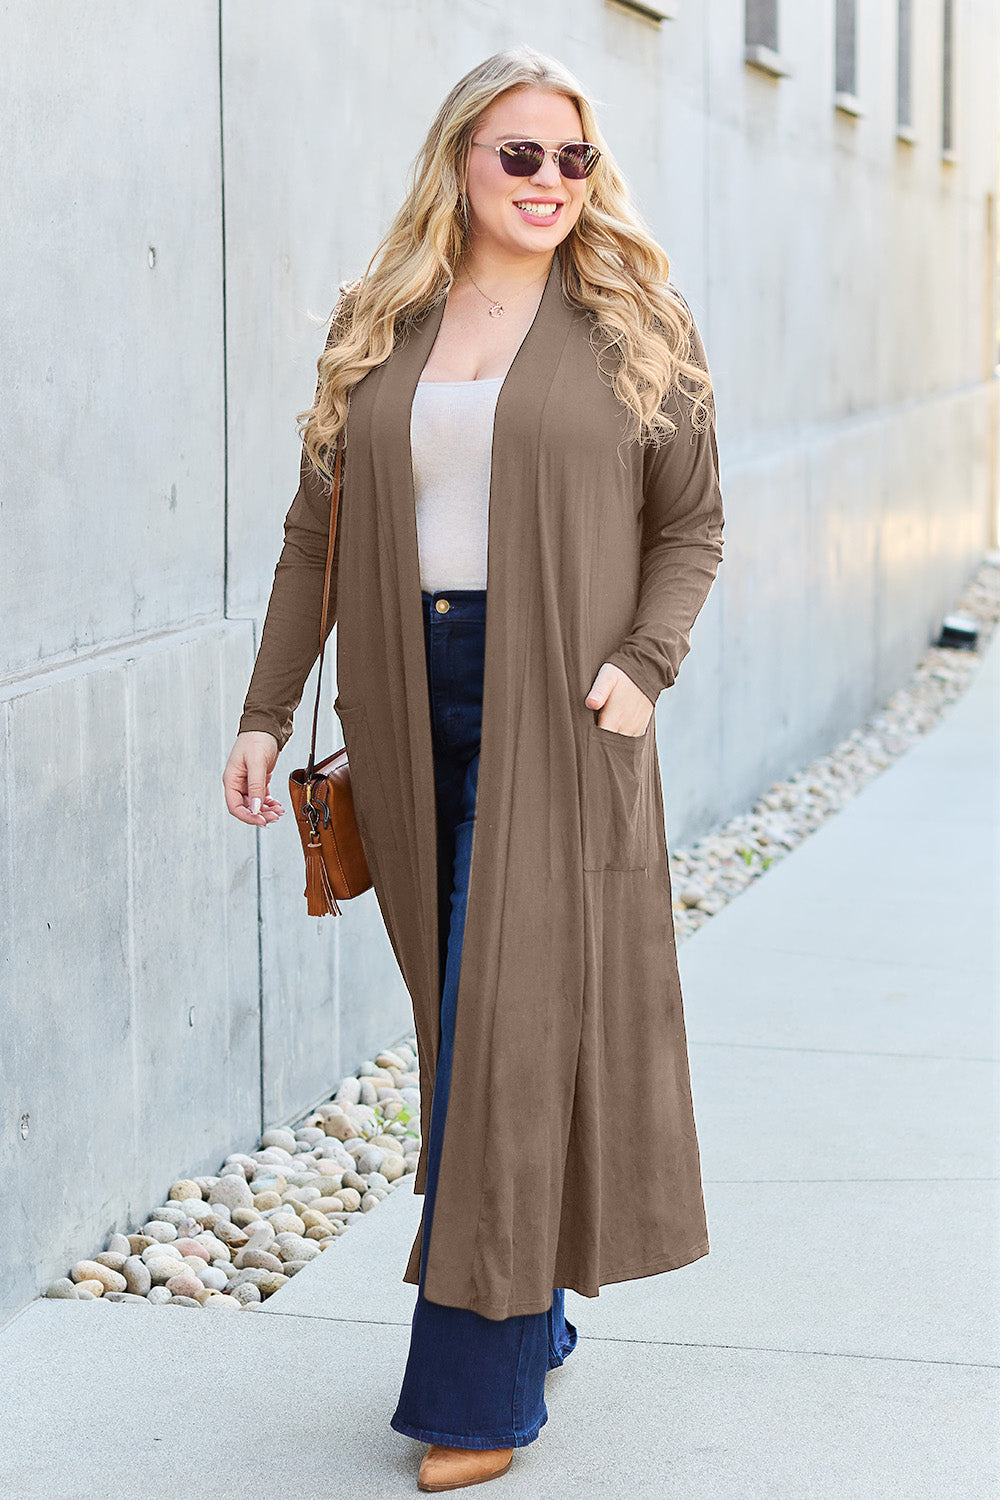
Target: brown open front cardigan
x=569, y=1007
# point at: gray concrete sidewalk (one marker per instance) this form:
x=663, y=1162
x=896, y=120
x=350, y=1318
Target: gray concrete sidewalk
x=840, y=1340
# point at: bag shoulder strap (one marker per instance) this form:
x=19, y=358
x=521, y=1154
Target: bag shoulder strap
x=334, y=505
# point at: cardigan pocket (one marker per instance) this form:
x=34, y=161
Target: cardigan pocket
x=371, y=807
x=616, y=816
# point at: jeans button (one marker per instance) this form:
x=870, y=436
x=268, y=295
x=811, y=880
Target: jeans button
x=442, y=606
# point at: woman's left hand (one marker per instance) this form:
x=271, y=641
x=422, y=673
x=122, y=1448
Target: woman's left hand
x=627, y=709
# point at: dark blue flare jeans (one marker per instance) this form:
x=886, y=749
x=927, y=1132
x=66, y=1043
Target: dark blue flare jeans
x=470, y=1381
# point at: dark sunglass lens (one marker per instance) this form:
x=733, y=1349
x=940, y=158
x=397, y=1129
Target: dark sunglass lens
x=578, y=160
x=521, y=158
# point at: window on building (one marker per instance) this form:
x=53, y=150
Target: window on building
x=947, y=80
x=760, y=51
x=762, y=24
x=846, y=67
x=904, y=70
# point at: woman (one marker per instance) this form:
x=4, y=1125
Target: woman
x=523, y=397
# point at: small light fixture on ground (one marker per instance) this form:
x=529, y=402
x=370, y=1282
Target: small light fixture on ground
x=959, y=632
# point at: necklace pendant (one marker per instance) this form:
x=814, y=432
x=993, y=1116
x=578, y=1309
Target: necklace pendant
x=496, y=311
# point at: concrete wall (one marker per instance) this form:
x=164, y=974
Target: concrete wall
x=181, y=190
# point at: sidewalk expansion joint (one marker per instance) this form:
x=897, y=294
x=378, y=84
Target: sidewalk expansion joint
x=845, y=1052
x=895, y=1359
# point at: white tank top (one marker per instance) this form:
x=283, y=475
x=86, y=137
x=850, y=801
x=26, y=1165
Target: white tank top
x=451, y=439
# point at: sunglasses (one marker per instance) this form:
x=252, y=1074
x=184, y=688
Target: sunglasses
x=524, y=158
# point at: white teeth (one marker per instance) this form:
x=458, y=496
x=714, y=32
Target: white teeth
x=540, y=210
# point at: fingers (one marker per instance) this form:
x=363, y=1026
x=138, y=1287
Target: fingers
x=256, y=782
x=234, y=785
x=626, y=709
x=246, y=780
x=603, y=683
x=241, y=808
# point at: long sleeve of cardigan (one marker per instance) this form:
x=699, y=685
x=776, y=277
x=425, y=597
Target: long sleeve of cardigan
x=289, y=642
x=682, y=538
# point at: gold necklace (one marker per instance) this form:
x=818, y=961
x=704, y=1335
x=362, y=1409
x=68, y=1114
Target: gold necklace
x=496, y=308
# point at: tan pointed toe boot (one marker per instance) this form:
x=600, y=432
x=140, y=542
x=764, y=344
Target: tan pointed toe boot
x=453, y=1468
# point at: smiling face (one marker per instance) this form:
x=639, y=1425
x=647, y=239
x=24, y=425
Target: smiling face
x=516, y=216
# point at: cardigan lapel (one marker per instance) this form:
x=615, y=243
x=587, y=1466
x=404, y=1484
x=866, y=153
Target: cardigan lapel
x=392, y=467
x=517, y=427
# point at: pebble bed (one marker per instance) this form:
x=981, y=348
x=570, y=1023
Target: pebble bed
x=232, y=1240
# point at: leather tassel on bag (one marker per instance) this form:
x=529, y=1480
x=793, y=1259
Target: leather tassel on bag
x=319, y=893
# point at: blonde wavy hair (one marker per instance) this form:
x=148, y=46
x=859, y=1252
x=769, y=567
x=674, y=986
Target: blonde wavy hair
x=611, y=266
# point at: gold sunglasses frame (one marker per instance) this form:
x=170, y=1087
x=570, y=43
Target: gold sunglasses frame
x=549, y=151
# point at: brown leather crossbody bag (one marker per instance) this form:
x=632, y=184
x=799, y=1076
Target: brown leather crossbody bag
x=336, y=865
